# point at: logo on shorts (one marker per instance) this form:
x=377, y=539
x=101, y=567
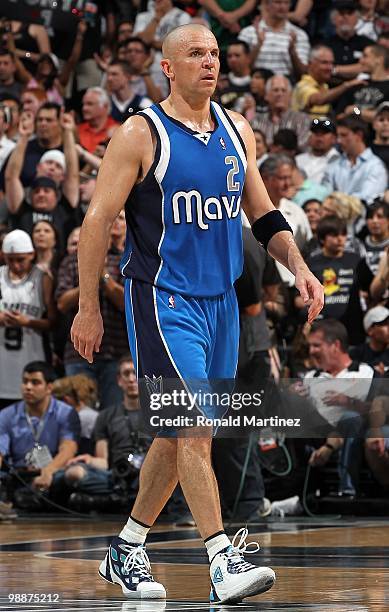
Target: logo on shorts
x=223, y=144
x=172, y=302
x=153, y=385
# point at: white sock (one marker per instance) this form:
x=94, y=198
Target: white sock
x=134, y=532
x=215, y=544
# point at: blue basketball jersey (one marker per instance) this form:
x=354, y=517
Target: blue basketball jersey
x=184, y=231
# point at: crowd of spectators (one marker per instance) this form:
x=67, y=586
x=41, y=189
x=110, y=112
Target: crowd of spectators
x=312, y=78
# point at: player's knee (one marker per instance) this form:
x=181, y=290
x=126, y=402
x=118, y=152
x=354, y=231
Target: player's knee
x=190, y=448
x=74, y=473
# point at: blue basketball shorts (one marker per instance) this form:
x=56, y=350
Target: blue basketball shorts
x=194, y=340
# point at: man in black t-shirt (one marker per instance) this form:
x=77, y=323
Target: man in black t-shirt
x=375, y=351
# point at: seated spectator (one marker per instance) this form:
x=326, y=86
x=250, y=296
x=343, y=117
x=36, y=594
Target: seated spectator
x=6, y=144
x=312, y=209
x=114, y=343
x=276, y=172
x=377, y=240
x=261, y=150
x=380, y=146
x=304, y=189
x=13, y=104
x=255, y=102
x=72, y=242
x=365, y=97
x=340, y=403
x=285, y=141
x=346, y=44
x=26, y=312
x=380, y=284
x=87, y=189
x=276, y=44
x=32, y=99
x=124, y=30
x=116, y=437
x=358, y=171
x=148, y=78
x=375, y=350
x=279, y=115
x=321, y=150
x=9, y=86
x=48, y=135
x=98, y=125
x=312, y=93
x=238, y=76
x=45, y=240
x=80, y=391
x=38, y=434
x=377, y=442
x=343, y=274
x=118, y=232
x=124, y=102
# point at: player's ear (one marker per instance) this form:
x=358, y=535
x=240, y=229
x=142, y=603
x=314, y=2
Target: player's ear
x=167, y=69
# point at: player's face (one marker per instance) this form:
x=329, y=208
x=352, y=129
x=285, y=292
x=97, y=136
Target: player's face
x=195, y=65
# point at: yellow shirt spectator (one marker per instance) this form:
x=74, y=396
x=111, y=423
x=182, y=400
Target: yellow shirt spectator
x=302, y=93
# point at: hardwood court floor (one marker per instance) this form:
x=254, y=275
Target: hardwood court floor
x=321, y=565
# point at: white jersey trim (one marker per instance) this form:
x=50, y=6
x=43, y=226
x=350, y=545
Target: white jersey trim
x=231, y=133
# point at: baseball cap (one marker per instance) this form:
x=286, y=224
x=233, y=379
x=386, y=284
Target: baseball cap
x=323, y=124
x=43, y=181
x=378, y=314
x=86, y=176
x=382, y=108
x=54, y=155
x=345, y=5
x=17, y=241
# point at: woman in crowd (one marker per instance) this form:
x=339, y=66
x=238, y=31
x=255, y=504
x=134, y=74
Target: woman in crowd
x=45, y=241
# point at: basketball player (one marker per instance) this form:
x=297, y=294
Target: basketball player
x=181, y=169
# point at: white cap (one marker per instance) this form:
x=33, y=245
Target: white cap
x=378, y=314
x=54, y=155
x=17, y=241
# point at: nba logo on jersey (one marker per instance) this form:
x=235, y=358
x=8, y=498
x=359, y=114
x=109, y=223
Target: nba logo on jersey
x=172, y=303
x=223, y=144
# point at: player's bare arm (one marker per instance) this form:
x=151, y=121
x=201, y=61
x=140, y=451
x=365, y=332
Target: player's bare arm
x=125, y=162
x=256, y=203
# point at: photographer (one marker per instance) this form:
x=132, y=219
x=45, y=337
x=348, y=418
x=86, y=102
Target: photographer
x=95, y=478
x=38, y=435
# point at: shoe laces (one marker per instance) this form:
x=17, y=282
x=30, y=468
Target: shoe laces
x=235, y=553
x=137, y=560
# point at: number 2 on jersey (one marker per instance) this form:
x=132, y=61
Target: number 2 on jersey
x=231, y=184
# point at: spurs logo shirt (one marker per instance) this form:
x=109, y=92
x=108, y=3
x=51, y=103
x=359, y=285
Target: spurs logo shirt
x=184, y=231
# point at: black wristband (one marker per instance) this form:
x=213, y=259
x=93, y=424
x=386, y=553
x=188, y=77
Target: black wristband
x=268, y=225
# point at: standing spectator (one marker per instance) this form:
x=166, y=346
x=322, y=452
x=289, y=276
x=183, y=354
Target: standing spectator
x=366, y=96
x=375, y=350
x=13, y=104
x=6, y=144
x=48, y=135
x=31, y=40
x=380, y=146
x=87, y=188
x=321, y=150
x=312, y=209
x=343, y=274
x=124, y=102
x=39, y=432
x=261, y=150
x=154, y=24
x=358, y=171
x=312, y=93
x=239, y=75
x=277, y=44
x=367, y=24
x=279, y=114
x=148, y=78
x=31, y=99
x=346, y=44
x=277, y=172
x=9, y=86
x=377, y=240
x=255, y=102
x=26, y=311
x=115, y=343
x=98, y=125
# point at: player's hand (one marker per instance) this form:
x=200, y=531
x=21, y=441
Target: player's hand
x=311, y=291
x=87, y=332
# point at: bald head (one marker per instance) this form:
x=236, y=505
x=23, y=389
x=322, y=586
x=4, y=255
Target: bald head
x=177, y=38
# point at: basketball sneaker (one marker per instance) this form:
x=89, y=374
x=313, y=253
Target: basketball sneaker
x=128, y=566
x=233, y=578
